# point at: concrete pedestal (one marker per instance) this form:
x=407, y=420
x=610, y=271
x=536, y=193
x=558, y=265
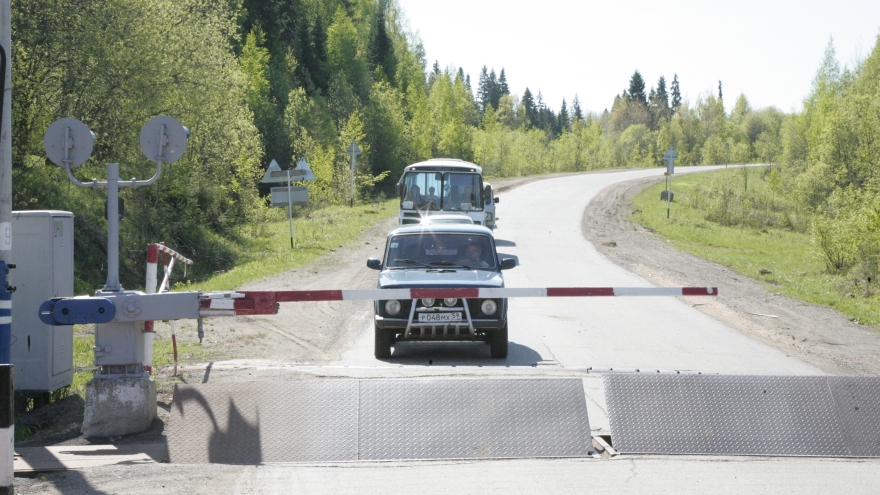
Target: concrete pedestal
x=118, y=405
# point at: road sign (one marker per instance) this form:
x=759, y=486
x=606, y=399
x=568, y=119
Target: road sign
x=302, y=166
x=270, y=177
x=670, y=158
x=354, y=151
x=301, y=172
x=299, y=196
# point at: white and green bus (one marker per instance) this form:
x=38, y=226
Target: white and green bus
x=445, y=185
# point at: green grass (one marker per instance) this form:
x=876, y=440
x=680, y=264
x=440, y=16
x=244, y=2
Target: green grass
x=315, y=234
x=794, y=265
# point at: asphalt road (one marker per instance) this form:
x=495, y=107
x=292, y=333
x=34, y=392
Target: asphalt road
x=540, y=224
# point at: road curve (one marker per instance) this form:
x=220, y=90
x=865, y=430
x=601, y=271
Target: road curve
x=540, y=224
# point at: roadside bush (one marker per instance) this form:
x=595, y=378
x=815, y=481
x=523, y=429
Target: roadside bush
x=830, y=239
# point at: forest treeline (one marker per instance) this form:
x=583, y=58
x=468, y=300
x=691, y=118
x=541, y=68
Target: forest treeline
x=257, y=80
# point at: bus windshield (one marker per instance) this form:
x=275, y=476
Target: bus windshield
x=442, y=190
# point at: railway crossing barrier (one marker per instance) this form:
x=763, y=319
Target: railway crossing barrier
x=134, y=308
x=121, y=398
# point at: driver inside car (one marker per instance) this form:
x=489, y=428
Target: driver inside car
x=474, y=256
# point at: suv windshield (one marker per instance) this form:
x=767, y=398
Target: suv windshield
x=442, y=190
x=440, y=250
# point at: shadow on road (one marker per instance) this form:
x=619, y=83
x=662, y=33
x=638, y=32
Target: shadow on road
x=460, y=354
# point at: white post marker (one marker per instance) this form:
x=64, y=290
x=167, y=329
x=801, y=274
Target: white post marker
x=670, y=158
x=354, y=151
x=289, y=208
x=7, y=429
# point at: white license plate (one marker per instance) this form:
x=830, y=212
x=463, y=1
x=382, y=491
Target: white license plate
x=439, y=317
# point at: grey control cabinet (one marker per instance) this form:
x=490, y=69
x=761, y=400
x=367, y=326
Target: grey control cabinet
x=42, y=251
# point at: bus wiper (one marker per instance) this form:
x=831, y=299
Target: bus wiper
x=410, y=262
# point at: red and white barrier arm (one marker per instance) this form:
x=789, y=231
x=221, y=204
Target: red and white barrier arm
x=266, y=302
x=173, y=253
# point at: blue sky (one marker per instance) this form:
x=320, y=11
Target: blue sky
x=769, y=50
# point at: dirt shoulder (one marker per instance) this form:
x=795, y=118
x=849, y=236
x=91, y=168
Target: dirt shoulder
x=816, y=334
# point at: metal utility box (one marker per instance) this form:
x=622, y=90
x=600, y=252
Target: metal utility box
x=42, y=251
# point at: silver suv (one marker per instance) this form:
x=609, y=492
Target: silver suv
x=436, y=257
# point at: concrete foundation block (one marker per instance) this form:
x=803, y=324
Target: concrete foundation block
x=118, y=405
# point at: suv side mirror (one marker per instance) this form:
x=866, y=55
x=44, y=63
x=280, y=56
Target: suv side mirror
x=508, y=263
x=374, y=264
x=496, y=200
x=398, y=188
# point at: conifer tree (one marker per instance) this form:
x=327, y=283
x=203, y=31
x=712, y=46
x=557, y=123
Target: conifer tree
x=562, y=118
x=494, y=89
x=637, y=88
x=502, y=83
x=662, y=96
x=577, y=114
x=381, y=51
x=676, y=93
x=720, y=94
x=528, y=105
x=483, y=89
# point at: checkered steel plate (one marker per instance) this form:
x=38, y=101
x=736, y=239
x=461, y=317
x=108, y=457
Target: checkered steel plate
x=456, y=419
x=254, y=422
x=857, y=400
x=724, y=414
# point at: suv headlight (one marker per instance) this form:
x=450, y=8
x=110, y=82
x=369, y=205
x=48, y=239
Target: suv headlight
x=428, y=302
x=450, y=301
x=489, y=307
x=392, y=306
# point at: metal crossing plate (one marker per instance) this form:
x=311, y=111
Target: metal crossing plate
x=255, y=422
x=744, y=415
x=459, y=419
x=347, y=420
x=857, y=400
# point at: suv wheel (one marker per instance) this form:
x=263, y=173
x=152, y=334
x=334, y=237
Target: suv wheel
x=384, y=340
x=498, y=343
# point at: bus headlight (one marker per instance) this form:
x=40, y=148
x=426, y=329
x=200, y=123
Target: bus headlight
x=450, y=301
x=428, y=302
